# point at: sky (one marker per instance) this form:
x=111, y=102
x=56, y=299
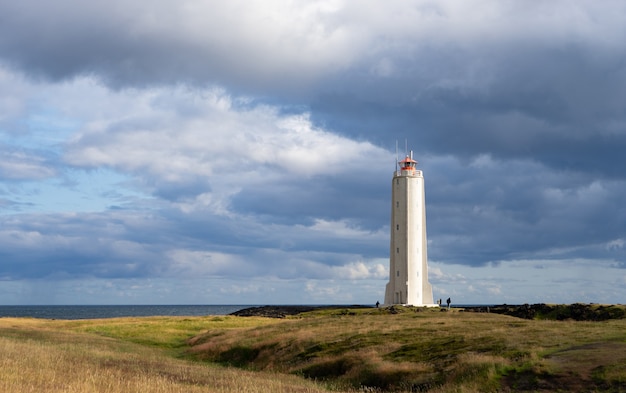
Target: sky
x=241, y=152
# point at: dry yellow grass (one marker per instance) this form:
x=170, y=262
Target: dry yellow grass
x=44, y=356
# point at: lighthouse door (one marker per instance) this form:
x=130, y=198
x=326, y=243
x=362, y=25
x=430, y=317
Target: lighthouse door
x=398, y=297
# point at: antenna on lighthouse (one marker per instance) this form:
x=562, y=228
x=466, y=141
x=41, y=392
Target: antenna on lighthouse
x=396, y=155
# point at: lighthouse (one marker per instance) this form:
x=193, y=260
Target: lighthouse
x=408, y=259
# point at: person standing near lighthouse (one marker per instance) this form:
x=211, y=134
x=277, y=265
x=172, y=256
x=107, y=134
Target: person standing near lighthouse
x=408, y=259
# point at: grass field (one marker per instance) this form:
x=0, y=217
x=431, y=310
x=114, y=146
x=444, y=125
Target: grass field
x=431, y=350
x=123, y=355
x=341, y=350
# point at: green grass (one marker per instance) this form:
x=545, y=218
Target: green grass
x=163, y=332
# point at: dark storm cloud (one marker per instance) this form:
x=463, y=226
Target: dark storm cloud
x=491, y=210
x=159, y=42
x=69, y=38
x=345, y=196
x=537, y=102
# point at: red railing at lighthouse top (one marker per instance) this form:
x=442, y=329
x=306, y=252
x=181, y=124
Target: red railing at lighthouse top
x=408, y=164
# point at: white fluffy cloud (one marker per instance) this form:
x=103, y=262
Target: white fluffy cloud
x=203, y=145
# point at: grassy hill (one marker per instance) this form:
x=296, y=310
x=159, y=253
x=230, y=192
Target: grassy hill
x=412, y=349
x=399, y=349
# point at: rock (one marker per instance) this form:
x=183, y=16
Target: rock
x=283, y=311
x=559, y=312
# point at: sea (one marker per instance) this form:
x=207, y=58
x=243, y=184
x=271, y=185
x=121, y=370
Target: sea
x=115, y=311
x=112, y=311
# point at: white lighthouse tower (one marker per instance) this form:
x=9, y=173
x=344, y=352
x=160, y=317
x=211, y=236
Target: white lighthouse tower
x=408, y=259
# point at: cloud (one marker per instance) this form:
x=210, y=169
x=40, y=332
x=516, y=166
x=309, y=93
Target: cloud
x=203, y=149
x=25, y=165
x=76, y=245
x=543, y=212
x=204, y=42
x=557, y=281
x=157, y=139
x=359, y=270
x=362, y=67
x=232, y=176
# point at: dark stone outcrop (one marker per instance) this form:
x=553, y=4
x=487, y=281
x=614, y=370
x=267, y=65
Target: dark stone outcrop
x=283, y=311
x=559, y=312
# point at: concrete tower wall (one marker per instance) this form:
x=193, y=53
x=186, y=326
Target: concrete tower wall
x=408, y=274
